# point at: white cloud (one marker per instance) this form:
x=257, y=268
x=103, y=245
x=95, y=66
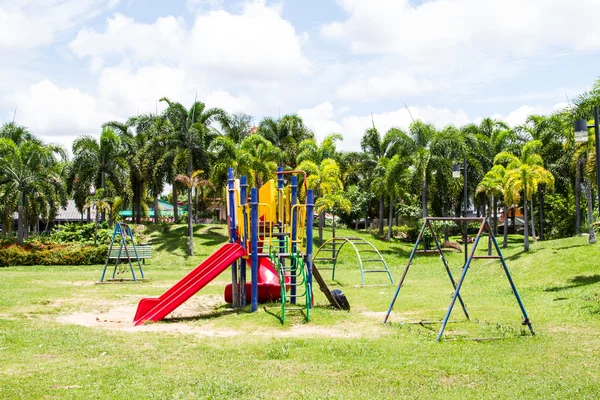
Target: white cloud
x=27, y=24
x=319, y=119
x=52, y=111
x=448, y=30
x=255, y=44
x=518, y=116
x=410, y=48
x=324, y=119
x=158, y=42
x=231, y=103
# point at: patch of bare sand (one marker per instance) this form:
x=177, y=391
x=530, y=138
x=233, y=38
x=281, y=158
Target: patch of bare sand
x=120, y=318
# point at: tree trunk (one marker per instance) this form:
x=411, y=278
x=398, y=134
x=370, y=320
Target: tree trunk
x=155, y=204
x=495, y=215
x=489, y=217
x=514, y=218
x=525, y=224
x=321, y=226
x=542, y=213
x=190, y=227
x=446, y=233
x=102, y=185
x=333, y=226
x=96, y=228
x=89, y=215
x=505, y=239
x=578, y=198
x=175, y=207
x=590, y=201
x=20, y=220
x=139, y=205
x=424, y=198
x=390, y=219
x=381, y=213
x=533, y=221
x=25, y=220
x=356, y=224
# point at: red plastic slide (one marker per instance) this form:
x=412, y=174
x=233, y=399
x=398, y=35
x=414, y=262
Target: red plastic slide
x=155, y=309
x=268, y=284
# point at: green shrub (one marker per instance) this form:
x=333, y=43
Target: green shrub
x=403, y=232
x=80, y=233
x=38, y=253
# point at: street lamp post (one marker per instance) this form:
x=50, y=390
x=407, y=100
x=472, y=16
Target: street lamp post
x=581, y=136
x=456, y=174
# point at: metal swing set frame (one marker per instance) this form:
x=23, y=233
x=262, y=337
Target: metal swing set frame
x=485, y=225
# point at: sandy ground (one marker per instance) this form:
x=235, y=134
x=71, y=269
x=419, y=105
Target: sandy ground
x=120, y=318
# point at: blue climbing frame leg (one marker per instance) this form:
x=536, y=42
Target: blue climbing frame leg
x=526, y=320
x=446, y=267
x=460, y=282
x=412, y=254
x=254, y=246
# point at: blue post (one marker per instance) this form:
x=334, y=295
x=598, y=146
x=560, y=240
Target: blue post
x=232, y=238
x=244, y=235
x=309, y=237
x=460, y=282
x=294, y=235
x=254, y=246
x=526, y=320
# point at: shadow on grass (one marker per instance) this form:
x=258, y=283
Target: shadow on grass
x=576, y=282
x=211, y=315
x=571, y=247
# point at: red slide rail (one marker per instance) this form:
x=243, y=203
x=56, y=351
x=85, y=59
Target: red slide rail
x=156, y=308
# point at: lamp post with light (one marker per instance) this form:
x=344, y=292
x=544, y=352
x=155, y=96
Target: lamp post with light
x=581, y=136
x=456, y=174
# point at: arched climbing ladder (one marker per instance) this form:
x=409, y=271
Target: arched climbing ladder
x=372, y=262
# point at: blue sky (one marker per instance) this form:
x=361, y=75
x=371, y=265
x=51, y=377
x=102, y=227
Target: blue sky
x=69, y=65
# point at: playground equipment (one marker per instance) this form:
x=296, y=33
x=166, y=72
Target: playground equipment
x=271, y=236
x=484, y=225
x=332, y=248
x=124, y=232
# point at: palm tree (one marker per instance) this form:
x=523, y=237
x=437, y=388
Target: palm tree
x=286, y=134
x=548, y=130
x=325, y=180
x=97, y=203
x=311, y=151
x=193, y=133
x=157, y=163
x=375, y=147
x=95, y=162
x=525, y=175
x=191, y=182
x=30, y=170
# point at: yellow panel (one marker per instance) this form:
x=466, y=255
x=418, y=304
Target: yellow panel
x=267, y=194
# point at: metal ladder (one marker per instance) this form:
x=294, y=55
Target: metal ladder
x=296, y=270
x=374, y=263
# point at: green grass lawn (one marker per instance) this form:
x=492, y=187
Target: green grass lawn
x=61, y=336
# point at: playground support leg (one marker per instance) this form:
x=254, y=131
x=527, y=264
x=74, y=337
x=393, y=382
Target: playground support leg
x=437, y=243
x=526, y=320
x=460, y=282
x=235, y=290
x=254, y=246
x=294, y=236
x=309, y=239
x=244, y=237
x=412, y=254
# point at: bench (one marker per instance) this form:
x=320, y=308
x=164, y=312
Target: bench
x=144, y=251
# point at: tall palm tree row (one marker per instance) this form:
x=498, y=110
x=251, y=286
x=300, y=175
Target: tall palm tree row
x=536, y=165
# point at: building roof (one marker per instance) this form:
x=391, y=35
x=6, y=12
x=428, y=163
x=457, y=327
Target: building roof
x=72, y=214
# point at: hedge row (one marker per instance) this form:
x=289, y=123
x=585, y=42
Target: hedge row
x=52, y=254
